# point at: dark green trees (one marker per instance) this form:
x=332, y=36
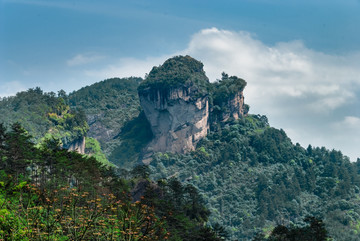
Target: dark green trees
x=314, y=231
x=177, y=72
x=17, y=149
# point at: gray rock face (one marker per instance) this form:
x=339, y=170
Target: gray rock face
x=235, y=107
x=178, y=118
x=176, y=98
x=78, y=145
x=98, y=130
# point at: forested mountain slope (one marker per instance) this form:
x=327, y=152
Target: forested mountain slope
x=48, y=115
x=44, y=114
x=253, y=178
x=48, y=193
x=109, y=105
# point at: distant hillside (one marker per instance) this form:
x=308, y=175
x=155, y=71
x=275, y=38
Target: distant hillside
x=113, y=112
x=48, y=115
x=44, y=113
x=108, y=105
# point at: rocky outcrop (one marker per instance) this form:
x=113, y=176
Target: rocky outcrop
x=98, y=130
x=176, y=98
x=178, y=118
x=234, y=107
x=77, y=145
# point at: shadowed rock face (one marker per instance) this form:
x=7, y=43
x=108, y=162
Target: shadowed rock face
x=177, y=118
x=235, y=107
x=175, y=98
x=78, y=145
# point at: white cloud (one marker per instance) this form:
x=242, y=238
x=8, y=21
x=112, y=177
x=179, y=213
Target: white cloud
x=284, y=70
x=301, y=90
x=352, y=121
x=11, y=88
x=350, y=124
x=126, y=67
x=82, y=59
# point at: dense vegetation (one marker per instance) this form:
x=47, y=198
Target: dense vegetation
x=315, y=230
x=108, y=105
x=255, y=182
x=252, y=178
x=226, y=88
x=48, y=193
x=177, y=72
x=46, y=116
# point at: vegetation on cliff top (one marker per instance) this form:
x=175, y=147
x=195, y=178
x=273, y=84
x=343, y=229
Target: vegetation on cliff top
x=226, y=88
x=176, y=72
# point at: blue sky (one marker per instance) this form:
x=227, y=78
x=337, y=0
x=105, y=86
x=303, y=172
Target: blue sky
x=300, y=58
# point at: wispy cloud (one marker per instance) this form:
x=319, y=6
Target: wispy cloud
x=82, y=59
x=126, y=67
x=286, y=70
x=11, y=88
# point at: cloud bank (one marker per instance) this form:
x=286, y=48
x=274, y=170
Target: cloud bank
x=321, y=82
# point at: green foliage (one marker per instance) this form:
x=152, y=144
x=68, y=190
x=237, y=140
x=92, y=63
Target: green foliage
x=251, y=177
x=59, y=195
x=226, y=88
x=134, y=136
x=71, y=214
x=314, y=231
x=92, y=148
x=108, y=105
x=176, y=72
x=183, y=208
x=44, y=115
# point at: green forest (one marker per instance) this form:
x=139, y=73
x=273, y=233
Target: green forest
x=49, y=193
x=245, y=181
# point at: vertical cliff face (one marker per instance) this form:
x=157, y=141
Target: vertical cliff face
x=78, y=145
x=176, y=98
x=234, y=107
x=178, y=120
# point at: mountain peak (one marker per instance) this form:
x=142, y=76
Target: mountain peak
x=178, y=101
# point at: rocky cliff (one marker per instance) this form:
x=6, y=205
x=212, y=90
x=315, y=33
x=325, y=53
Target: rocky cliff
x=77, y=145
x=178, y=120
x=178, y=101
x=233, y=107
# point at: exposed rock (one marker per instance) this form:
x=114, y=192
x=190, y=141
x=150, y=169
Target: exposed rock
x=98, y=130
x=175, y=98
x=234, y=107
x=177, y=118
x=77, y=145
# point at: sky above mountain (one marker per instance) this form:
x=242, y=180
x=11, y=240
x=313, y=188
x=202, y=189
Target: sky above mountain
x=300, y=58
